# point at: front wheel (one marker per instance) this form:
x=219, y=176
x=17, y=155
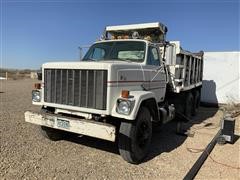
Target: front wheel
x=135, y=137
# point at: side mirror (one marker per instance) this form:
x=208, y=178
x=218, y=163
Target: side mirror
x=82, y=50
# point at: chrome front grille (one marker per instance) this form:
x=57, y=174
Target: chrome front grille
x=76, y=87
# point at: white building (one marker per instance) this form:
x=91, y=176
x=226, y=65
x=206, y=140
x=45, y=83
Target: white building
x=221, y=82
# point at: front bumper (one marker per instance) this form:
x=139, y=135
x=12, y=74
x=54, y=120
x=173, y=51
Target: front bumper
x=79, y=126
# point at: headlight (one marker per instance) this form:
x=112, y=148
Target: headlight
x=36, y=96
x=124, y=106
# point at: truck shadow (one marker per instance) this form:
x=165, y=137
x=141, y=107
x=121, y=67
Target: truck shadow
x=99, y=144
x=208, y=93
x=164, y=140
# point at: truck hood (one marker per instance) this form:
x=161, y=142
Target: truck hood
x=118, y=71
x=87, y=65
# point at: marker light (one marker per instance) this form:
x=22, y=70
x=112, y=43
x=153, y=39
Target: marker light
x=125, y=94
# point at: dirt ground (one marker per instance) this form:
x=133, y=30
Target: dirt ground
x=26, y=154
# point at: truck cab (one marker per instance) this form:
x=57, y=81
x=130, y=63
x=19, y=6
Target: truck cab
x=117, y=91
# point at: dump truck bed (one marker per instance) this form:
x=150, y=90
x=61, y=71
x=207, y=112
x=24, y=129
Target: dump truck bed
x=185, y=68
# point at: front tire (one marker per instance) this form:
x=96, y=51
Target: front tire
x=135, y=138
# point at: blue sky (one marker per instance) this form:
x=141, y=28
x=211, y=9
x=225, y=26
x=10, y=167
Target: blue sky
x=34, y=32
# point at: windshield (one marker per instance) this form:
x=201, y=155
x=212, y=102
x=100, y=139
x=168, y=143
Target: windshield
x=116, y=50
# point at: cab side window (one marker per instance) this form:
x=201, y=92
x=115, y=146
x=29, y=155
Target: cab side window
x=153, y=57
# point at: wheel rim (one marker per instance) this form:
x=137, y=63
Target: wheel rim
x=143, y=134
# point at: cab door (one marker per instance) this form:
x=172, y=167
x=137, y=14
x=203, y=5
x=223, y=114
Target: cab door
x=156, y=74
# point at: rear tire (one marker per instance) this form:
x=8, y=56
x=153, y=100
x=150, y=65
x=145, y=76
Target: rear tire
x=135, y=138
x=188, y=105
x=52, y=134
x=196, y=102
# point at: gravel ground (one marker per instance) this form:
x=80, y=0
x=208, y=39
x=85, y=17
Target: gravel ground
x=25, y=154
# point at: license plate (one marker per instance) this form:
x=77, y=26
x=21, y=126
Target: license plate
x=63, y=124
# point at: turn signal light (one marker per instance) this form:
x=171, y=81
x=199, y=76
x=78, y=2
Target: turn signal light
x=125, y=94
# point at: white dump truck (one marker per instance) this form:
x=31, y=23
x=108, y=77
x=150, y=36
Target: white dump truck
x=128, y=81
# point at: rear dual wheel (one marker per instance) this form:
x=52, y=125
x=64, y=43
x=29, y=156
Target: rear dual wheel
x=192, y=103
x=188, y=105
x=196, y=102
x=135, y=137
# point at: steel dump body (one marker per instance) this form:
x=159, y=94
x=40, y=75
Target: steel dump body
x=185, y=68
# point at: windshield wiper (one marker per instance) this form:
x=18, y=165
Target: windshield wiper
x=89, y=59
